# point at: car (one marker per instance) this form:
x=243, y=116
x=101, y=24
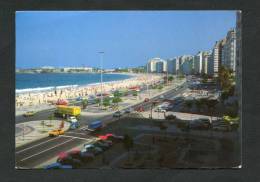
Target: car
x=72, y=119
x=159, y=109
x=161, y=97
x=29, y=113
x=129, y=110
x=200, y=124
x=65, y=159
x=140, y=109
x=92, y=149
x=57, y=165
x=56, y=132
x=146, y=100
x=170, y=117
x=86, y=156
x=109, y=142
x=102, y=145
x=118, y=114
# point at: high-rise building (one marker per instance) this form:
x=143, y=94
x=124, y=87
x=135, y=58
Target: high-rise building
x=201, y=62
x=238, y=70
x=153, y=68
x=229, y=51
x=186, y=64
x=173, y=65
x=215, y=58
x=205, y=61
x=159, y=67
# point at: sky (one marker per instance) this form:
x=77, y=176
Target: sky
x=127, y=38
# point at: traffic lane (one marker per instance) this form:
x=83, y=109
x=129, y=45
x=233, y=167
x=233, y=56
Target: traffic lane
x=28, y=145
x=41, y=115
x=47, y=154
x=33, y=149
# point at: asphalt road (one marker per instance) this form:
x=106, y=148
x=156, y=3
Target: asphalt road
x=37, y=152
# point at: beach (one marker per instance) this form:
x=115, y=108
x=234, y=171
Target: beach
x=50, y=96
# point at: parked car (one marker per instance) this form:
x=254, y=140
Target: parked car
x=199, y=124
x=118, y=114
x=92, y=149
x=29, y=113
x=146, y=100
x=129, y=110
x=170, y=117
x=140, y=109
x=159, y=109
x=66, y=159
x=86, y=156
x=102, y=145
x=58, y=165
x=161, y=97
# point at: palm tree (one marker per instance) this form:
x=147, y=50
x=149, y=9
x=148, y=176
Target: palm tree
x=51, y=117
x=84, y=103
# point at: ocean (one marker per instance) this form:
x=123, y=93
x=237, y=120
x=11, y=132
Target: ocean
x=39, y=82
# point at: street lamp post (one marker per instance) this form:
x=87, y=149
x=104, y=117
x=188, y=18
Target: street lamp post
x=101, y=78
x=147, y=80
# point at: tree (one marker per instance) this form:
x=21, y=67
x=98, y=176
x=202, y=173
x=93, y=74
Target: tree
x=106, y=101
x=170, y=78
x=51, y=117
x=116, y=100
x=84, y=103
x=224, y=78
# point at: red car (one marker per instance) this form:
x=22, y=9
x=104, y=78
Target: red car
x=140, y=109
x=146, y=100
x=62, y=102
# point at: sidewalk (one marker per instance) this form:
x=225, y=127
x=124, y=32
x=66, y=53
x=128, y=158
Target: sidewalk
x=22, y=110
x=179, y=115
x=34, y=130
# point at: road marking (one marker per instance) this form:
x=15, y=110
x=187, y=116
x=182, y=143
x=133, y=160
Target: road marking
x=76, y=133
x=68, y=136
x=46, y=150
x=35, y=145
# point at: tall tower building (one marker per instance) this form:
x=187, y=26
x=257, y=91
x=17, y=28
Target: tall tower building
x=229, y=51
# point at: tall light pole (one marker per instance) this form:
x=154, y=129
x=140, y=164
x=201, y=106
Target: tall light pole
x=147, y=79
x=101, y=77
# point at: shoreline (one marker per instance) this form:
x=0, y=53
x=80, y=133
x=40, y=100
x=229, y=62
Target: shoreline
x=52, y=88
x=50, y=96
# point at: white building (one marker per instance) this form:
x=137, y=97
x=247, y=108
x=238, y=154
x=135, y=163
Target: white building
x=152, y=68
x=229, y=51
x=198, y=58
x=215, y=58
x=205, y=62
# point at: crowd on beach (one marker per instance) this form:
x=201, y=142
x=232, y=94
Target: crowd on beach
x=51, y=96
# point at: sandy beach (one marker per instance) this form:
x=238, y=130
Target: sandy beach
x=51, y=96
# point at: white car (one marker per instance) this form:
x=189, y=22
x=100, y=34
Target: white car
x=72, y=119
x=159, y=109
x=161, y=96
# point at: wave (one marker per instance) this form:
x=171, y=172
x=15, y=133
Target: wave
x=39, y=89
